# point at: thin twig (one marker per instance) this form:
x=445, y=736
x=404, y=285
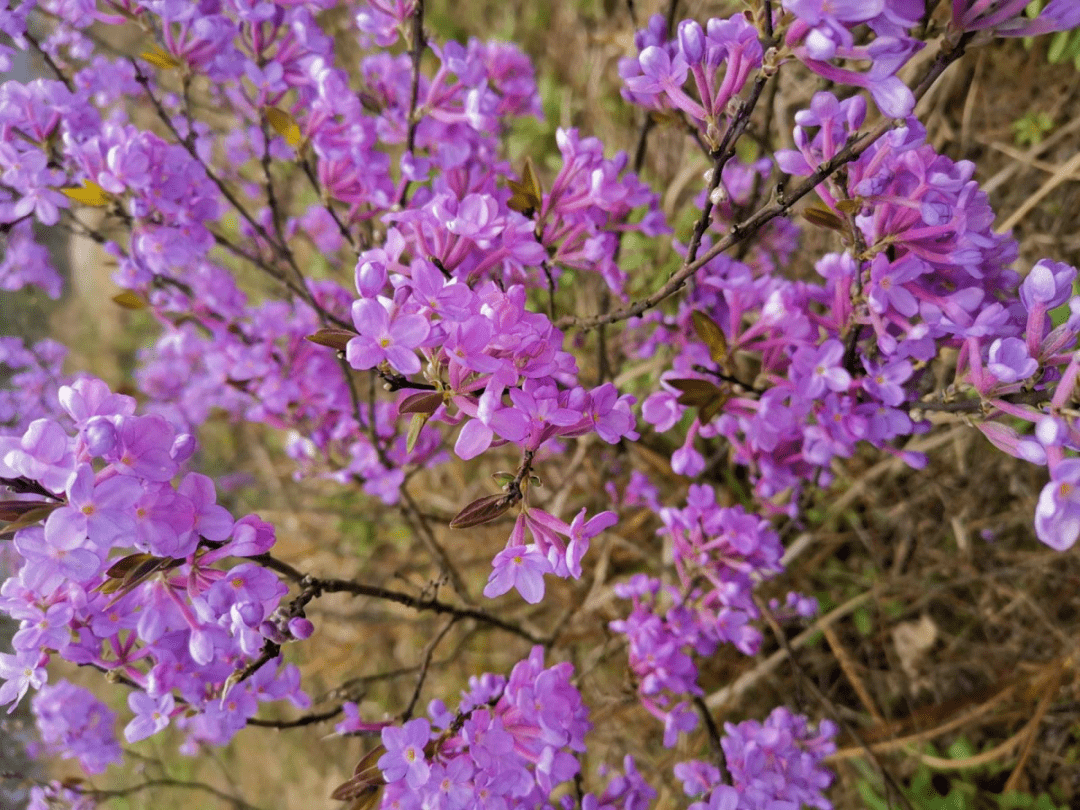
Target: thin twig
x=740, y=231
x=420, y=604
x=104, y=795
x=429, y=651
x=828, y=705
x=714, y=737
x=49, y=61
x=410, y=510
x=418, y=44
x=306, y=720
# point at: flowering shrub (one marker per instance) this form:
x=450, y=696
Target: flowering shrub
x=242, y=141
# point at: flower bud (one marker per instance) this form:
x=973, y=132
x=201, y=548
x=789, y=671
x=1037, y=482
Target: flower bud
x=300, y=628
x=182, y=448
x=100, y=435
x=691, y=41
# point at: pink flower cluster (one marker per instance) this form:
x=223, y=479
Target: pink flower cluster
x=121, y=576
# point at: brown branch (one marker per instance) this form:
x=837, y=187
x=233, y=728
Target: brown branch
x=102, y=795
x=714, y=737
x=419, y=604
x=49, y=61
x=306, y=720
x=429, y=651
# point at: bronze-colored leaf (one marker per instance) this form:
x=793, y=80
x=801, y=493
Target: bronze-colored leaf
x=355, y=789
x=823, y=218
x=13, y=510
x=528, y=195
x=849, y=206
x=710, y=333
x=415, y=426
x=708, y=411
x=365, y=784
x=125, y=565
x=694, y=393
x=30, y=517
x=368, y=764
x=483, y=510
x=131, y=572
x=421, y=402
x=336, y=339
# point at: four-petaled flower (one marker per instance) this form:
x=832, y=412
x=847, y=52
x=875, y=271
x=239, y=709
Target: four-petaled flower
x=382, y=338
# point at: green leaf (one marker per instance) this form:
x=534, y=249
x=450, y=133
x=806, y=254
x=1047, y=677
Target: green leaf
x=1058, y=43
x=502, y=478
x=415, y=426
x=129, y=300
x=871, y=799
x=960, y=749
x=863, y=621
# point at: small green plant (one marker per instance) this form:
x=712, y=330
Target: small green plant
x=1064, y=45
x=1031, y=128
x=933, y=789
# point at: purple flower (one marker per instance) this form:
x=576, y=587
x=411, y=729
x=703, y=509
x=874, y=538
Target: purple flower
x=381, y=338
x=887, y=280
x=211, y=520
x=151, y=715
x=44, y=629
x=75, y=724
x=659, y=72
x=778, y=763
x=1048, y=285
x=404, y=757
x=1009, y=361
x=816, y=370
x=54, y=556
x=165, y=522
x=102, y=512
x=681, y=719
x=1057, y=515
x=520, y=567
x=43, y=455
x=610, y=414
x=147, y=448
x=19, y=672
x=1006, y=17
x=886, y=383
x=581, y=532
